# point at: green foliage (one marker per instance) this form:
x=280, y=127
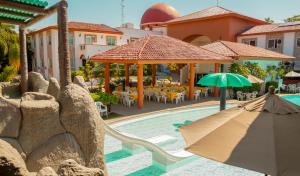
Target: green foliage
x=269, y=20
x=254, y=87
x=271, y=83
x=239, y=69
x=105, y=98
x=14, y=55
x=77, y=73
x=8, y=38
x=276, y=72
x=255, y=70
x=8, y=73
x=293, y=19
x=172, y=67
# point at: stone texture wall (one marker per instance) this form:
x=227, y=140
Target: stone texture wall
x=47, y=129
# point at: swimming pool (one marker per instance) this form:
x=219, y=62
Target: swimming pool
x=293, y=99
x=120, y=162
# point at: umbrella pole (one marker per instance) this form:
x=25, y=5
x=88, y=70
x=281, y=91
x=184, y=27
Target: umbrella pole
x=222, y=98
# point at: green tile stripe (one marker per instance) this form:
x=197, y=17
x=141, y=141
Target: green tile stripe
x=33, y=2
x=12, y=17
x=16, y=11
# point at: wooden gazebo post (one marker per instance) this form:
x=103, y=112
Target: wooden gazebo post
x=216, y=90
x=107, y=78
x=140, y=86
x=63, y=44
x=23, y=57
x=153, y=74
x=127, y=74
x=192, y=81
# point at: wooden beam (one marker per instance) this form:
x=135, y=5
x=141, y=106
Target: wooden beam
x=23, y=57
x=140, y=86
x=153, y=74
x=21, y=6
x=49, y=11
x=63, y=45
x=107, y=78
x=16, y=13
x=127, y=74
x=14, y=22
x=192, y=81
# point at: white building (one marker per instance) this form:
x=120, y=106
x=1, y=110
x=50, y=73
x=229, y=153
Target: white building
x=283, y=38
x=85, y=40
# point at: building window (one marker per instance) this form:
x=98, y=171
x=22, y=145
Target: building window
x=274, y=43
x=71, y=39
x=111, y=40
x=132, y=39
x=90, y=39
x=82, y=47
x=298, y=42
x=49, y=40
x=251, y=42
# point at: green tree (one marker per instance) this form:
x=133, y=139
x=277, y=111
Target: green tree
x=255, y=70
x=276, y=72
x=269, y=20
x=293, y=18
x=239, y=69
x=14, y=56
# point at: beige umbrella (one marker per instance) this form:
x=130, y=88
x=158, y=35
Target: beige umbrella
x=262, y=135
x=254, y=79
x=292, y=74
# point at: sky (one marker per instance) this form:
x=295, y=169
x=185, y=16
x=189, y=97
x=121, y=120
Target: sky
x=109, y=11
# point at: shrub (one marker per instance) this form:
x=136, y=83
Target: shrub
x=254, y=87
x=78, y=73
x=271, y=83
x=9, y=72
x=105, y=98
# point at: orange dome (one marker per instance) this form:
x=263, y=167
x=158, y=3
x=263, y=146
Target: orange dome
x=159, y=13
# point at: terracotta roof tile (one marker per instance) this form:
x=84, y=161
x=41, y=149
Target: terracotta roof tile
x=160, y=48
x=245, y=52
x=272, y=28
x=207, y=13
x=80, y=26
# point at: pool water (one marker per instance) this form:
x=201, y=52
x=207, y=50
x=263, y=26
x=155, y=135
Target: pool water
x=120, y=162
x=293, y=99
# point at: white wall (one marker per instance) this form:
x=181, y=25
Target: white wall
x=45, y=49
x=261, y=40
x=55, y=60
x=288, y=43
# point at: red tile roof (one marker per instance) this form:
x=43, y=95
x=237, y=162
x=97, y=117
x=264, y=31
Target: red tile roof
x=272, y=28
x=88, y=27
x=159, y=49
x=245, y=52
x=212, y=12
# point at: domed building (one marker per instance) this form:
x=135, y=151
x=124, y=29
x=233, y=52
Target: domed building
x=156, y=15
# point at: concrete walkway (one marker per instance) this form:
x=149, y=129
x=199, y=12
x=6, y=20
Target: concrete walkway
x=154, y=107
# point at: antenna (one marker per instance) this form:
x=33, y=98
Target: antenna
x=122, y=10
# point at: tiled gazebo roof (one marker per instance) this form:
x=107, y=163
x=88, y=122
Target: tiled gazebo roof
x=160, y=49
x=245, y=52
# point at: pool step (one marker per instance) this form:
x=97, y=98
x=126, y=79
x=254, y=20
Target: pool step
x=157, y=140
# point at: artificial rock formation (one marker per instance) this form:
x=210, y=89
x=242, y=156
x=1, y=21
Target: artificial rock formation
x=10, y=117
x=79, y=80
x=54, y=88
x=11, y=162
x=81, y=118
x=37, y=83
x=56, y=150
x=71, y=168
x=47, y=129
x=40, y=120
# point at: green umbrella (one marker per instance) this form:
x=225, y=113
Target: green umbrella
x=224, y=80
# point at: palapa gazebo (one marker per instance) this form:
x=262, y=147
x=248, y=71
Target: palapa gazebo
x=157, y=50
x=240, y=51
x=25, y=13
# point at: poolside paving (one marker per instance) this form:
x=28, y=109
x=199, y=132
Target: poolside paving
x=155, y=107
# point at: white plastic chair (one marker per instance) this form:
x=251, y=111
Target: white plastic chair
x=101, y=108
x=128, y=101
x=197, y=94
x=240, y=96
x=178, y=98
x=249, y=96
x=254, y=94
